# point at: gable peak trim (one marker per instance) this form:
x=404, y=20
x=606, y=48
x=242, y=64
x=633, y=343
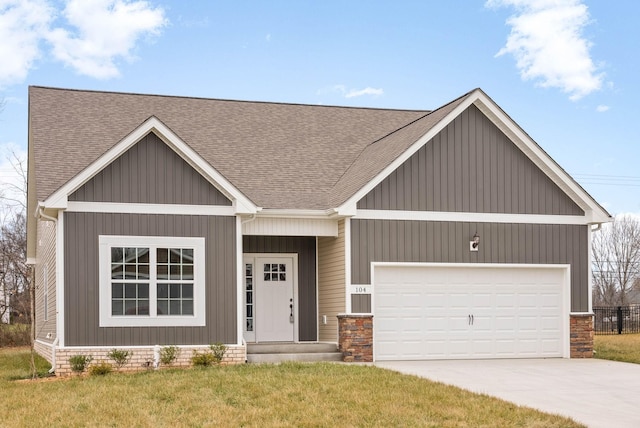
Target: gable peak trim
x=242, y=204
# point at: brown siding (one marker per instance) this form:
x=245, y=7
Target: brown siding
x=81, y=231
x=470, y=166
x=305, y=247
x=331, y=283
x=448, y=242
x=150, y=172
x=45, y=258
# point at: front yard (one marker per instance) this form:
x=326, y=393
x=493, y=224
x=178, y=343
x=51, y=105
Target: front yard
x=251, y=395
x=618, y=347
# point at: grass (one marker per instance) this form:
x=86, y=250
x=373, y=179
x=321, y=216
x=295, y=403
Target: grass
x=619, y=347
x=291, y=394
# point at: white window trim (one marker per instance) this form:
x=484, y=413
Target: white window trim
x=199, y=295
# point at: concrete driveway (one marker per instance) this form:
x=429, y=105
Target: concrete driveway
x=597, y=393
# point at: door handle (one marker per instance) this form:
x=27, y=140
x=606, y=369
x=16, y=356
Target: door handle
x=291, y=311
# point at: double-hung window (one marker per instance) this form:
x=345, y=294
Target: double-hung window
x=151, y=281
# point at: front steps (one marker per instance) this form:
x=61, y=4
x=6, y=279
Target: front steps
x=304, y=352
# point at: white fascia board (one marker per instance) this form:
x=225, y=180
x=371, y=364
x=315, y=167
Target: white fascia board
x=242, y=204
x=541, y=159
x=349, y=205
x=469, y=217
x=127, y=208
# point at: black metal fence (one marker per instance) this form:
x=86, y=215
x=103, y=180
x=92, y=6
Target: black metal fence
x=617, y=319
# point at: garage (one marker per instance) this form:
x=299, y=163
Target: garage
x=470, y=311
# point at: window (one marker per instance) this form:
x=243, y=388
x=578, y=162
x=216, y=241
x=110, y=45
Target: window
x=151, y=281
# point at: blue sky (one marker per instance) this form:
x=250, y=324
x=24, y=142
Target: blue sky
x=565, y=70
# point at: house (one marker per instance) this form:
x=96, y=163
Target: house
x=394, y=234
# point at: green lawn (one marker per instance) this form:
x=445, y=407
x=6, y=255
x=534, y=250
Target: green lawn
x=300, y=395
x=618, y=347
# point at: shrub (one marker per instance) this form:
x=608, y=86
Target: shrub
x=168, y=354
x=79, y=362
x=100, y=369
x=202, y=359
x=120, y=356
x=218, y=349
x=214, y=355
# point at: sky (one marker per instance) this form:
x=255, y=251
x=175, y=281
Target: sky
x=565, y=70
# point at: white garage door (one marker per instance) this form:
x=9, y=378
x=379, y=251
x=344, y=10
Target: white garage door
x=469, y=311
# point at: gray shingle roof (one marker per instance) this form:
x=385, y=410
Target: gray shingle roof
x=279, y=155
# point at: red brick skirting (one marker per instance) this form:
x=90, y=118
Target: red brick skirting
x=355, y=337
x=581, y=333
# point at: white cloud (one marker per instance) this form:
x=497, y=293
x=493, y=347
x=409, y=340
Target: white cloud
x=602, y=108
x=23, y=23
x=91, y=37
x=351, y=93
x=106, y=30
x=376, y=92
x=547, y=42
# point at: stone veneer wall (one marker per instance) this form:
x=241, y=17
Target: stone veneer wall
x=355, y=337
x=581, y=333
x=142, y=358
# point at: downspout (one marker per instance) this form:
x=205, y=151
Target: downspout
x=53, y=355
x=40, y=213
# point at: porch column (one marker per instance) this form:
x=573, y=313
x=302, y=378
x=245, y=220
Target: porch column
x=355, y=337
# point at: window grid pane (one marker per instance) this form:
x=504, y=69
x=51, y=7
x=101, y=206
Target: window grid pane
x=129, y=297
x=175, y=299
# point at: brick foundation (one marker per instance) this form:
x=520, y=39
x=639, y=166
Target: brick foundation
x=355, y=337
x=581, y=336
x=142, y=358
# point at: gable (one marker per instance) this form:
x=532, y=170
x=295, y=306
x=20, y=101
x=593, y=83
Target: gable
x=470, y=166
x=150, y=172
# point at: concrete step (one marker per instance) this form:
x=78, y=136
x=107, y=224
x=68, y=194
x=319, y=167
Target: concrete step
x=304, y=357
x=290, y=348
x=279, y=352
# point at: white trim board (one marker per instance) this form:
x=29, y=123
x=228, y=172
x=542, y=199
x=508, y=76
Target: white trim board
x=469, y=217
x=136, y=208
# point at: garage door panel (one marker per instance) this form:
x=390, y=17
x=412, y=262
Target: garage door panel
x=517, y=313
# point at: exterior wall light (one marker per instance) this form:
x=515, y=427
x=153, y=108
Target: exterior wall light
x=475, y=242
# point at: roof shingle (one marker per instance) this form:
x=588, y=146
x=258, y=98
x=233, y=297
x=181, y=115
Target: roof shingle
x=286, y=156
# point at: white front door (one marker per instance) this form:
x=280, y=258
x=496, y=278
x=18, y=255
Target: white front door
x=274, y=303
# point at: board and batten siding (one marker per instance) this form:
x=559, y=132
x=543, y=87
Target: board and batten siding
x=448, y=242
x=150, y=172
x=46, y=261
x=305, y=247
x=81, y=232
x=331, y=283
x=470, y=166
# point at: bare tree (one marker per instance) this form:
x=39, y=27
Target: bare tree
x=616, y=261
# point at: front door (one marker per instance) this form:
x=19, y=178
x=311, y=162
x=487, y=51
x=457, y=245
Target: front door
x=274, y=308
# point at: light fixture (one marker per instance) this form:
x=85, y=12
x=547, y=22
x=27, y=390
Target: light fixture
x=475, y=242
